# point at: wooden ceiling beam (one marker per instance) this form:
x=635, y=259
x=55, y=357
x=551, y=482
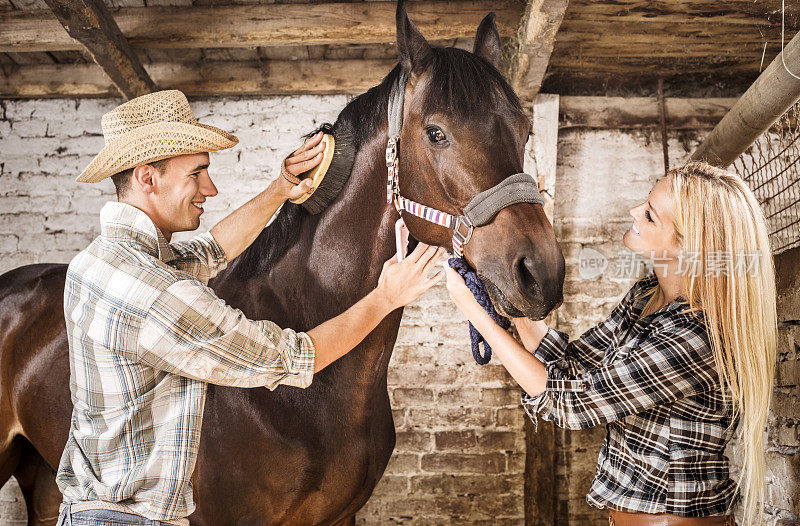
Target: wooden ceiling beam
x=90, y=23
x=533, y=46
x=352, y=76
x=205, y=79
x=641, y=112
x=264, y=25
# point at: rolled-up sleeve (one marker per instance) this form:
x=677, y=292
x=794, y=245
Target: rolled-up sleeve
x=191, y=332
x=200, y=256
x=675, y=361
x=588, y=350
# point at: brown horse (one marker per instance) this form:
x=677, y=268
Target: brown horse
x=312, y=456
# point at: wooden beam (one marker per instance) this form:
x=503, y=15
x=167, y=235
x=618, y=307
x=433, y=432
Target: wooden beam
x=544, y=146
x=540, y=499
x=541, y=496
x=205, y=79
x=264, y=25
x=90, y=23
x=534, y=44
x=283, y=77
x=769, y=97
x=641, y=112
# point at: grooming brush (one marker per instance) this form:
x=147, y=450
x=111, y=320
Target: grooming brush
x=330, y=175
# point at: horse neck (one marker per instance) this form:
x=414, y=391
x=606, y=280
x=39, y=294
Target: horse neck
x=353, y=239
x=335, y=262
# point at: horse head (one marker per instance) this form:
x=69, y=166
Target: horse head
x=464, y=131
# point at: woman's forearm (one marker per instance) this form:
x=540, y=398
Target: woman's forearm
x=525, y=368
x=530, y=332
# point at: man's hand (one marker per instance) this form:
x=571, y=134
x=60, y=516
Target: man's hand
x=402, y=282
x=399, y=284
x=303, y=159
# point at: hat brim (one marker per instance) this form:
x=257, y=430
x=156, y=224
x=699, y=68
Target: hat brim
x=154, y=142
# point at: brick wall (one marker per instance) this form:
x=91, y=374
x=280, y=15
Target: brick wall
x=460, y=443
x=783, y=448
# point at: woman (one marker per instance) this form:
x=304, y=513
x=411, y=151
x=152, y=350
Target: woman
x=685, y=359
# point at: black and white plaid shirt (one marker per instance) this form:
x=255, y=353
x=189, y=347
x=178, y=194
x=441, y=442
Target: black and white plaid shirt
x=654, y=384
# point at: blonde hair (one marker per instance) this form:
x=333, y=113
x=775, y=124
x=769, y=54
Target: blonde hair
x=715, y=213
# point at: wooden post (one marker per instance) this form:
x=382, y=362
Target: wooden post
x=265, y=25
x=215, y=79
x=540, y=446
x=773, y=92
x=536, y=36
x=90, y=23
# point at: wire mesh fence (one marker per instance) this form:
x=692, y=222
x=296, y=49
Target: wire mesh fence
x=771, y=167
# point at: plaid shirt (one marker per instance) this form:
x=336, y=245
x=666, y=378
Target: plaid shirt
x=145, y=336
x=654, y=384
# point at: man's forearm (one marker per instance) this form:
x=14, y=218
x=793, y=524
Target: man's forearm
x=239, y=229
x=338, y=336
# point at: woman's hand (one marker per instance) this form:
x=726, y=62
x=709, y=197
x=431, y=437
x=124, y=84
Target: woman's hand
x=462, y=296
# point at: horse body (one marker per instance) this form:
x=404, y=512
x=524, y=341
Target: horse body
x=35, y=404
x=314, y=455
x=317, y=453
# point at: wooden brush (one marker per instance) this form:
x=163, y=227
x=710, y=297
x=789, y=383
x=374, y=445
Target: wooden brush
x=331, y=174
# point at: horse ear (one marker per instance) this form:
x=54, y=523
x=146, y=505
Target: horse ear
x=487, y=41
x=415, y=52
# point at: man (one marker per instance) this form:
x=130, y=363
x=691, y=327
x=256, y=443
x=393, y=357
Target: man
x=145, y=332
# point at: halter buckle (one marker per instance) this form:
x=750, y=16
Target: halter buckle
x=462, y=233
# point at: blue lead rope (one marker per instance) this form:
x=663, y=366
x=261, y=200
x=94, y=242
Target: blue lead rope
x=476, y=286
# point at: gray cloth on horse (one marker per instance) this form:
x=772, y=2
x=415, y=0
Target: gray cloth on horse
x=519, y=188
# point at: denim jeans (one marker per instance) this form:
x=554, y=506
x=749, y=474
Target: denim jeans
x=102, y=518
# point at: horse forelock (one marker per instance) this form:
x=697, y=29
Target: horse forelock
x=466, y=87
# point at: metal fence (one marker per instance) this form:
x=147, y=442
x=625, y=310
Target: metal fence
x=771, y=167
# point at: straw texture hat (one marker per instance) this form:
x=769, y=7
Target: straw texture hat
x=151, y=128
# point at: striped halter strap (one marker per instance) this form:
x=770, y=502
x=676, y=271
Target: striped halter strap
x=518, y=188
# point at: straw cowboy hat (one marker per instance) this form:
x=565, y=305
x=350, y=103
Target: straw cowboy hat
x=151, y=128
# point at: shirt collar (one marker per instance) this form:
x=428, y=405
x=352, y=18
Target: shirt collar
x=124, y=223
x=641, y=298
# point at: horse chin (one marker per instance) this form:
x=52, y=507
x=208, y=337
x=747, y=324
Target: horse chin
x=501, y=304
x=504, y=306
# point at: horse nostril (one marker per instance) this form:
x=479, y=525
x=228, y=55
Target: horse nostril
x=525, y=274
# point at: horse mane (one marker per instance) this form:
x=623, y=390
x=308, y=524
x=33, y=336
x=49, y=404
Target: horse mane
x=360, y=119
x=464, y=84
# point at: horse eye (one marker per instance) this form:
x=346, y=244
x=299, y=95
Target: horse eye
x=435, y=135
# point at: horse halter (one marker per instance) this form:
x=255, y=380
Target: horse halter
x=518, y=188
